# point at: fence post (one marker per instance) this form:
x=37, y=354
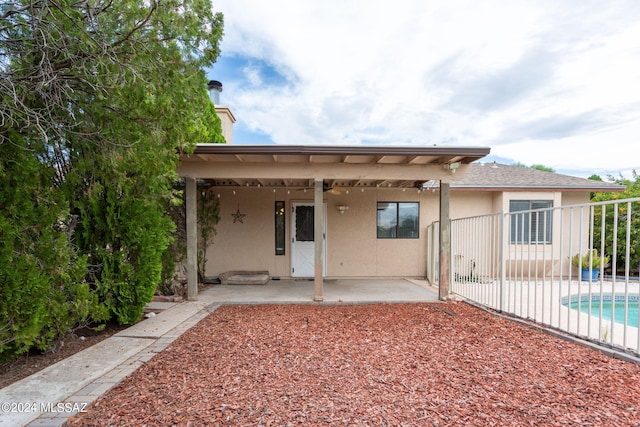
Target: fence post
x=503, y=254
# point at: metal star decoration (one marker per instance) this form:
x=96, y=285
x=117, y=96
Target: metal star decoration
x=238, y=217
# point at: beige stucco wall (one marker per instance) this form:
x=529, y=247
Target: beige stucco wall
x=353, y=249
x=566, y=239
x=243, y=245
x=476, y=241
x=227, y=120
x=569, y=235
x=472, y=203
x=575, y=198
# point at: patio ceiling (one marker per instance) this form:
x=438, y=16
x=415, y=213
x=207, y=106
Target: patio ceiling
x=296, y=166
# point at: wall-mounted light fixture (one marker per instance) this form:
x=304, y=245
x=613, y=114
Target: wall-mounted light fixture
x=342, y=208
x=452, y=166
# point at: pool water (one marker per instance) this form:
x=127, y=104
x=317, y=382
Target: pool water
x=618, y=311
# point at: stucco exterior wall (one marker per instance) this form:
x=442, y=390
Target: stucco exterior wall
x=476, y=238
x=352, y=247
x=252, y=239
x=472, y=203
x=575, y=198
x=569, y=234
x=227, y=120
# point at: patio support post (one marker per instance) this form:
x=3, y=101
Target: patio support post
x=318, y=230
x=192, y=238
x=445, y=242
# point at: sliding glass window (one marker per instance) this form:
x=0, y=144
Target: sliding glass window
x=398, y=220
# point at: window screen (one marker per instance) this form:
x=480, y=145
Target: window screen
x=530, y=226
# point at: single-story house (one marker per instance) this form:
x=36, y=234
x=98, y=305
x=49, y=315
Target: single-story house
x=335, y=211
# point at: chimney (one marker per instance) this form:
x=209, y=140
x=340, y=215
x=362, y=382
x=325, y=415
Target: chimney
x=215, y=88
x=225, y=114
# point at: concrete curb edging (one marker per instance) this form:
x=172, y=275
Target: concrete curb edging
x=70, y=385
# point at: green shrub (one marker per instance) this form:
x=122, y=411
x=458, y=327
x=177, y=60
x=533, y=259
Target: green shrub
x=125, y=235
x=590, y=258
x=43, y=295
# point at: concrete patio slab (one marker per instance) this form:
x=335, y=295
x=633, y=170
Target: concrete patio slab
x=335, y=291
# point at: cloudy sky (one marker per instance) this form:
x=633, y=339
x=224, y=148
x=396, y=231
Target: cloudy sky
x=540, y=82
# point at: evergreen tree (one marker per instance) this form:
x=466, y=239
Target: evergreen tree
x=98, y=101
x=42, y=285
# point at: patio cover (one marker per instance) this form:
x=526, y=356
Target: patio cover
x=301, y=166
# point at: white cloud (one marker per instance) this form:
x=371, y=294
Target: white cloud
x=540, y=82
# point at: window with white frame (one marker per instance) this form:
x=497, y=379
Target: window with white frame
x=531, y=221
x=398, y=220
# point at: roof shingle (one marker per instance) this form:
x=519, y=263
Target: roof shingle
x=505, y=177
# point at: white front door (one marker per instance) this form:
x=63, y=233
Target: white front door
x=302, y=241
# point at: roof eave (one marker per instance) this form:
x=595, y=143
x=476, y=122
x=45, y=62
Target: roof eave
x=473, y=153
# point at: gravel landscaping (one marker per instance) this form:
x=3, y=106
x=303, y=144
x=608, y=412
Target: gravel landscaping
x=378, y=364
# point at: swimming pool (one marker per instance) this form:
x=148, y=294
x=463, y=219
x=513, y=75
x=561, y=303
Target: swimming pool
x=615, y=308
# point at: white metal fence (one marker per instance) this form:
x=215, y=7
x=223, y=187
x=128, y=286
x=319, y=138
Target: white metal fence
x=521, y=263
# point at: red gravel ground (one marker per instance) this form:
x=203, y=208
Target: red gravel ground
x=381, y=364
